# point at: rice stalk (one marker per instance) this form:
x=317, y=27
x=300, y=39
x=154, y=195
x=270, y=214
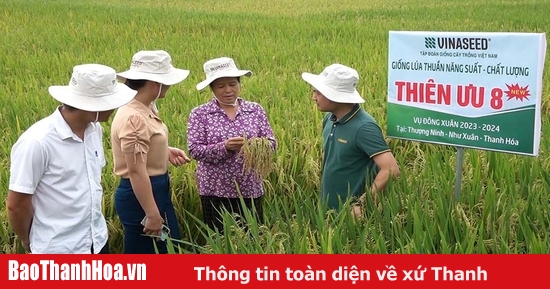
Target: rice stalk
x=257, y=157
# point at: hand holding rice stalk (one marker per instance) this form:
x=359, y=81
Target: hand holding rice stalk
x=257, y=156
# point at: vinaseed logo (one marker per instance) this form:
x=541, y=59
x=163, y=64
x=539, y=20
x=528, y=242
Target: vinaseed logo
x=429, y=42
x=461, y=43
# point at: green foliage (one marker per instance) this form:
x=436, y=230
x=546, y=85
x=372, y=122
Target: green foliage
x=505, y=198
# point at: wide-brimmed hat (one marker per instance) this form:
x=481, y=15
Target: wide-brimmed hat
x=337, y=83
x=218, y=68
x=93, y=87
x=154, y=65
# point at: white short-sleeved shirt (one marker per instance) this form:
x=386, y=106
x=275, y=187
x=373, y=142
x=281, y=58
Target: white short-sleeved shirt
x=63, y=173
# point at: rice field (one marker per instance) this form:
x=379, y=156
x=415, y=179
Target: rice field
x=504, y=200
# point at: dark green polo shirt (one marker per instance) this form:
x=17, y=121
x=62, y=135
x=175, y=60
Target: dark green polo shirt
x=349, y=145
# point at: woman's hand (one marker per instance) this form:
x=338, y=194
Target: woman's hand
x=234, y=143
x=177, y=157
x=153, y=225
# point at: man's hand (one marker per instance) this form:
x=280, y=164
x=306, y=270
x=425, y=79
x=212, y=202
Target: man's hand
x=356, y=211
x=26, y=246
x=20, y=216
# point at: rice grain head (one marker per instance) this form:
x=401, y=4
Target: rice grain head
x=257, y=157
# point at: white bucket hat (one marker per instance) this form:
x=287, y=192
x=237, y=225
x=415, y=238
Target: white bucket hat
x=154, y=65
x=218, y=68
x=337, y=83
x=93, y=87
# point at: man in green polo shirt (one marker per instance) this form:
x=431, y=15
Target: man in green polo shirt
x=356, y=155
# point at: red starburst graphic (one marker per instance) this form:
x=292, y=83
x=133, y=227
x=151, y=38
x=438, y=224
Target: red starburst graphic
x=517, y=92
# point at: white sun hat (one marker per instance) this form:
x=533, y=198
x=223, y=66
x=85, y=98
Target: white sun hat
x=93, y=87
x=337, y=83
x=154, y=65
x=218, y=68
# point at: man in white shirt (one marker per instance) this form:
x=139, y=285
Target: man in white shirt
x=55, y=193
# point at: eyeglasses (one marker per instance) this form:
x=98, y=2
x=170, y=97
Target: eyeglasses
x=164, y=233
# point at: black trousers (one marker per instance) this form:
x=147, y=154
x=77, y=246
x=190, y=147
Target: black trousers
x=104, y=250
x=212, y=210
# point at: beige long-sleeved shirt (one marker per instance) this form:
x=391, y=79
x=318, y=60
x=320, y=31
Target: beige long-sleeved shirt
x=137, y=130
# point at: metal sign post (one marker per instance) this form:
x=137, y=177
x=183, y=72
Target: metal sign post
x=458, y=178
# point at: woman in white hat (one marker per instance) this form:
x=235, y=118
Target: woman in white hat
x=215, y=134
x=141, y=155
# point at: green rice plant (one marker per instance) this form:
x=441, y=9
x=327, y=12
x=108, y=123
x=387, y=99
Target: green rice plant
x=504, y=198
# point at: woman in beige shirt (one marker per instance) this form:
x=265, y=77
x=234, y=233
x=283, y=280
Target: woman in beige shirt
x=141, y=155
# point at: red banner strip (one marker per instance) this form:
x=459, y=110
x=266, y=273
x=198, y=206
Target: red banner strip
x=291, y=271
